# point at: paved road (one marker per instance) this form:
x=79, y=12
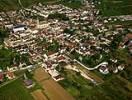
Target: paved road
x=96, y=67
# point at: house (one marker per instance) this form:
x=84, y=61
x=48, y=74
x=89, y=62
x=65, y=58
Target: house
x=19, y=28
x=61, y=58
x=9, y=26
x=1, y=18
x=128, y=42
x=103, y=69
x=128, y=37
x=55, y=75
x=115, y=70
x=58, y=78
x=28, y=83
x=1, y=76
x=121, y=67
x=10, y=75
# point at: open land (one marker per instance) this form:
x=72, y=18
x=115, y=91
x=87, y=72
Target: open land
x=15, y=91
x=14, y=4
x=53, y=90
x=17, y=4
x=92, y=75
x=116, y=7
x=38, y=95
x=82, y=89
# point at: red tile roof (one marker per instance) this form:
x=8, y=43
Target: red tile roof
x=129, y=36
x=10, y=74
x=61, y=57
x=1, y=76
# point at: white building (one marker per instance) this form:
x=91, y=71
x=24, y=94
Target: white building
x=19, y=28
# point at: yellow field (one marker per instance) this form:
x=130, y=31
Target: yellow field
x=38, y=95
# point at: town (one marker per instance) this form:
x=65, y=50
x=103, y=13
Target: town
x=57, y=38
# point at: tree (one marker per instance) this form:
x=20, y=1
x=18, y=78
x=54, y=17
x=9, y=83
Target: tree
x=54, y=46
x=69, y=31
x=58, y=16
x=6, y=57
x=3, y=35
x=25, y=59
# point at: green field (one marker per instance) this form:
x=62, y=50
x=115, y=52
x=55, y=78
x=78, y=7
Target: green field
x=15, y=91
x=14, y=4
x=76, y=85
x=115, y=88
x=116, y=7
x=75, y=4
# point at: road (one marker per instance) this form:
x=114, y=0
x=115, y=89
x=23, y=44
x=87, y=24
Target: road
x=95, y=79
x=96, y=67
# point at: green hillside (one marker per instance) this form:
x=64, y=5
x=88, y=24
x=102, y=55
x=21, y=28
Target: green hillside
x=14, y=4
x=7, y=5
x=116, y=7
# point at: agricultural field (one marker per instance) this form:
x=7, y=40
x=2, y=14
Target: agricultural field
x=15, y=91
x=51, y=89
x=116, y=7
x=38, y=95
x=114, y=88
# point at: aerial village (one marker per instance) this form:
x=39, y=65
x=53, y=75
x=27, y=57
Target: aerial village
x=51, y=41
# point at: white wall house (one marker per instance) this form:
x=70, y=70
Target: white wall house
x=19, y=28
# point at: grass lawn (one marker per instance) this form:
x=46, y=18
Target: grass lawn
x=15, y=91
x=116, y=7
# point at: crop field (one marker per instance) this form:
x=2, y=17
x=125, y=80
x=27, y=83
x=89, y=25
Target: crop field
x=116, y=7
x=51, y=88
x=15, y=91
x=38, y=95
